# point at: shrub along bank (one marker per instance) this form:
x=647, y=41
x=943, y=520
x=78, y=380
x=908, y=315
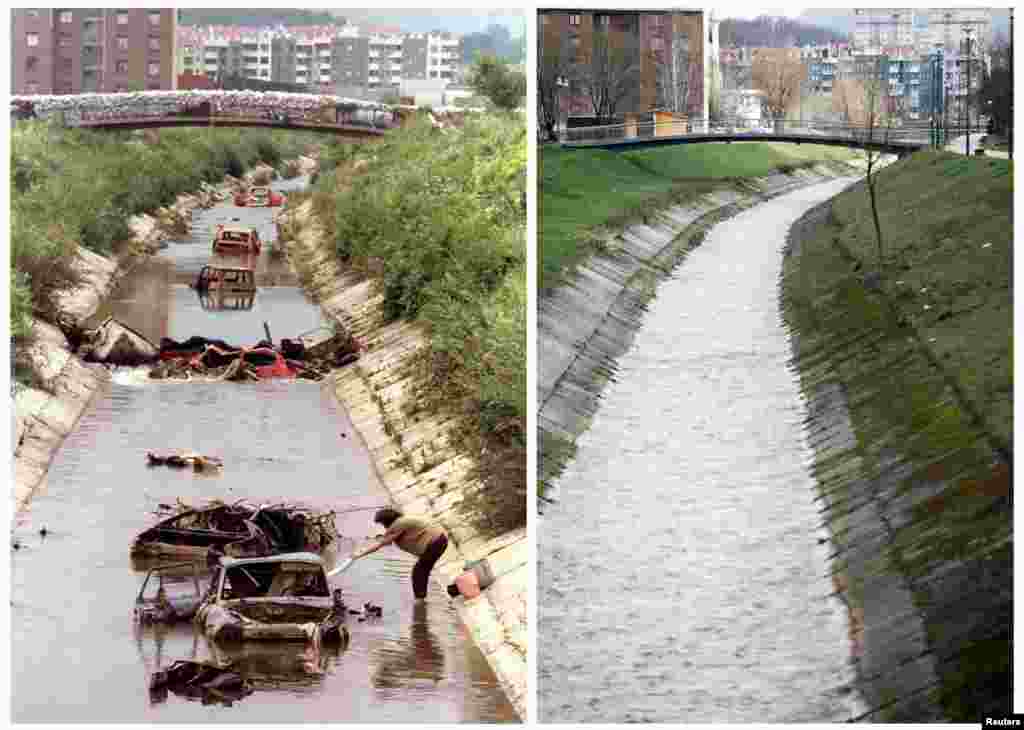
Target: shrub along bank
x=907, y=366
x=581, y=192
x=74, y=187
x=438, y=217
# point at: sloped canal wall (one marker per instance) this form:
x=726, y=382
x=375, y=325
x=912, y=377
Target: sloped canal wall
x=914, y=489
x=421, y=471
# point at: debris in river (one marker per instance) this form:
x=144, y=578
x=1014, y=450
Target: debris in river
x=117, y=344
x=199, y=680
x=238, y=529
x=183, y=459
x=201, y=357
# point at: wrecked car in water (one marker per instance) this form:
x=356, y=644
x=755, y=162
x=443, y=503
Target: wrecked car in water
x=236, y=239
x=278, y=598
x=179, y=592
x=258, y=196
x=238, y=530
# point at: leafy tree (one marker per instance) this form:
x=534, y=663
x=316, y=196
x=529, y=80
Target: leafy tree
x=505, y=87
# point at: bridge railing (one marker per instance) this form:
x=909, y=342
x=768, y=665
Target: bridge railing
x=917, y=132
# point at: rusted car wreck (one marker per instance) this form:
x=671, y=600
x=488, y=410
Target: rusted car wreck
x=238, y=530
x=279, y=598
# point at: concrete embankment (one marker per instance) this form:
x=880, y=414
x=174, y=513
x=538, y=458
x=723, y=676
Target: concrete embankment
x=586, y=324
x=417, y=465
x=44, y=415
x=913, y=486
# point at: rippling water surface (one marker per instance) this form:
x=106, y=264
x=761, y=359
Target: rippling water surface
x=76, y=655
x=681, y=576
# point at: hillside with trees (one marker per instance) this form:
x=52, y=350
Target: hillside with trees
x=766, y=31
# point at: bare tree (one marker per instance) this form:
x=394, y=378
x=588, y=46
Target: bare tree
x=863, y=108
x=777, y=73
x=609, y=72
x=553, y=70
x=673, y=74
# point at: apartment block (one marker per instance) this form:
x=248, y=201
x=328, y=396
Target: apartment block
x=76, y=50
x=322, y=58
x=649, y=38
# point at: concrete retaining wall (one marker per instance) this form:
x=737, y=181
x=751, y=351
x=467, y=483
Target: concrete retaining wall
x=916, y=496
x=418, y=467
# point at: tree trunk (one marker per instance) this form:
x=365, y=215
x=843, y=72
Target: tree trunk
x=874, y=213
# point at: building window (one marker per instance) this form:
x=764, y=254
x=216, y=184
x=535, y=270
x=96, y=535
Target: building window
x=154, y=43
x=64, y=41
x=154, y=18
x=31, y=63
x=122, y=42
x=65, y=16
x=31, y=40
x=121, y=67
x=154, y=69
x=122, y=18
x=574, y=20
x=32, y=87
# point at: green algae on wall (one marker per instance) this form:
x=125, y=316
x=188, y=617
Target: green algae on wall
x=914, y=484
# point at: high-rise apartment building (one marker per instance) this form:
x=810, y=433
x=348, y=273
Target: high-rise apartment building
x=76, y=50
x=321, y=58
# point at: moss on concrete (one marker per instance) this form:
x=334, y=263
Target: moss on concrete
x=919, y=496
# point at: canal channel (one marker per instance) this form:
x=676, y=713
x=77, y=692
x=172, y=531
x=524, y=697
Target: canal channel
x=77, y=655
x=683, y=575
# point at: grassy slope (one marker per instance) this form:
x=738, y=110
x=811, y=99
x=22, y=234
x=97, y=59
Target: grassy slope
x=580, y=191
x=947, y=222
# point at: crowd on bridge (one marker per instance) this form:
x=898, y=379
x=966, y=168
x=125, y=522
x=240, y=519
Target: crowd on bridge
x=275, y=105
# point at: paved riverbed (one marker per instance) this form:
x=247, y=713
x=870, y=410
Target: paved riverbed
x=681, y=574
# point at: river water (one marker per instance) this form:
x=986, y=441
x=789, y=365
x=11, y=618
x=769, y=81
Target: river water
x=681, y=575
x=77, y=656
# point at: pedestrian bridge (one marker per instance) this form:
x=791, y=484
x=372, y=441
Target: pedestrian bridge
x=902, y=140
x=350, y=131
x=352, y=118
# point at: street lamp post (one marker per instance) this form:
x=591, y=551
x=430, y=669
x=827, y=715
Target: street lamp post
x=967, y=30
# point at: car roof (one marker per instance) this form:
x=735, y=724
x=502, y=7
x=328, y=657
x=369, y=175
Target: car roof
x=229, y=562
x=237, y=229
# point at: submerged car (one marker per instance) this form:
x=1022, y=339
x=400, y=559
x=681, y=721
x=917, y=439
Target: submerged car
x=236, y=530
x=226, y=277
x=258, y=197
x=177, y=597
x=279, y=598
x=236, y=239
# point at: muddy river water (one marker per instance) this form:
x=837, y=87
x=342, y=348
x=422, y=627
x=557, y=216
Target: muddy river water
x=681, y=576
x=76, y=654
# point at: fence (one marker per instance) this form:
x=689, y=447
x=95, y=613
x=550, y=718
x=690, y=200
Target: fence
x=921, y=133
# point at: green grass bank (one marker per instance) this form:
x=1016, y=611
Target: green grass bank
x=584, y=193
x=907, y=366
x=438, y=219
x=74, y=187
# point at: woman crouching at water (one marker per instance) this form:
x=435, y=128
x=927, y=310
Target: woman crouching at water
x=414, y=535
